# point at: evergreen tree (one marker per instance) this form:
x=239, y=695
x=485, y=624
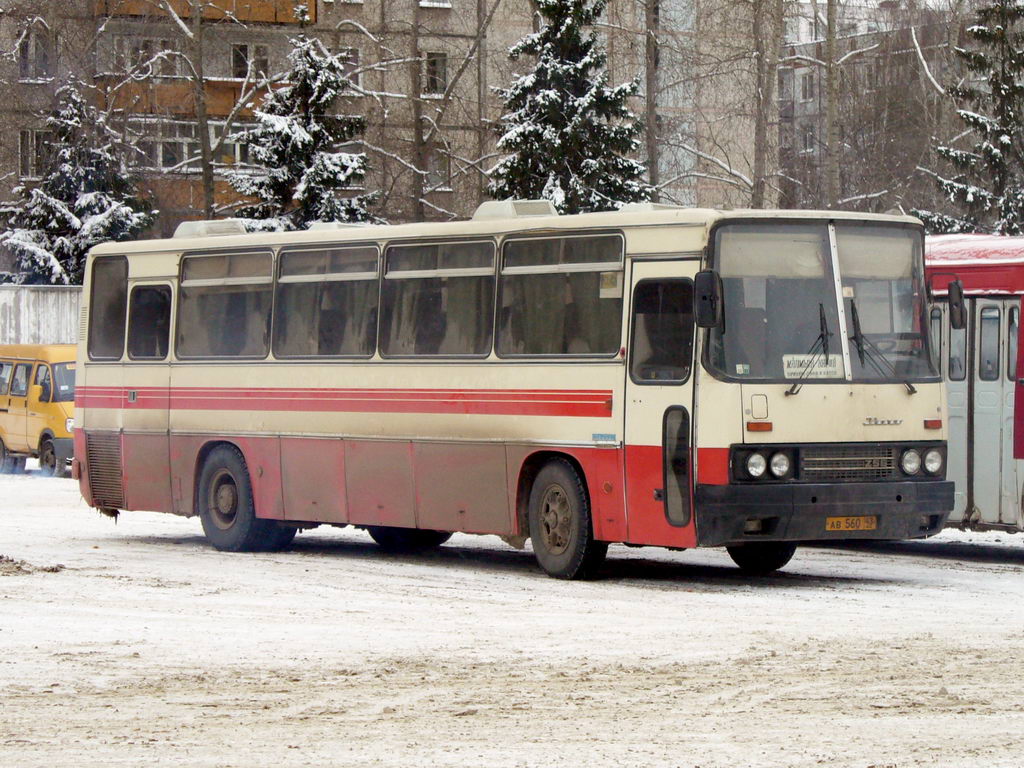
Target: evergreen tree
x=87, y=196
x=301, y=175
x=568, y=134
x=988, y=188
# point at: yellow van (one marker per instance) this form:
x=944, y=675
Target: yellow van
x=37, y=402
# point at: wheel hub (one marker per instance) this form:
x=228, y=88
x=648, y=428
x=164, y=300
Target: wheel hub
x=555, y=520
x=223, y=500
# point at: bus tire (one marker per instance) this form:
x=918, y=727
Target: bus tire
x=6, y=460
x=406, y=539
x=226, y=507
x=761, y=557
x=560, y=524
x=48, y=460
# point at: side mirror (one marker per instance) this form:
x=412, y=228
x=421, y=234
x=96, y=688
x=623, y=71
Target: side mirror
x=957, y=308
x=41, y=393
x=707, y=287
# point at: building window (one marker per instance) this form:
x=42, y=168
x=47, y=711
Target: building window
x=435, y=74
x=35, y=54
x=807, y=139
x=34, y=150
x=349, y=60
x=166, y=144
x=439, y=170
x=807, y=86
x=249, y=60
x=153, y=55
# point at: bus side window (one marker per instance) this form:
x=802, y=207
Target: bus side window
x=19, y=385
x=561, y=296
x=1011, y=342
x=957, y=354
x=662, y=343
x=438, y=299
x=988, y=348
x=107, y=306
x=6, y=369
x=224, y=305
x=149, y=322
x=936, y=336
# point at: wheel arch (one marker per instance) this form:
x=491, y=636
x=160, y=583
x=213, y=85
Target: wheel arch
x=528, y=471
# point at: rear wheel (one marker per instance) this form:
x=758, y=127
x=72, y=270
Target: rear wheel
x=560, y=524
x=48, y=459
x=406, y=539
x=763, y=557
x=226, y=507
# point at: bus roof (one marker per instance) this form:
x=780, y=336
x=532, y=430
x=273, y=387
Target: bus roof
x=660, y=216
x=50, y=353
x=985, y=264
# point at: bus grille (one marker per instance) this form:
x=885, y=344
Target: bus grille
x=103, y=463
x=850, y=462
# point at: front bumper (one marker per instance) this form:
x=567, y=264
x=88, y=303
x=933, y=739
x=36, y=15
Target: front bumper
x=797, y=511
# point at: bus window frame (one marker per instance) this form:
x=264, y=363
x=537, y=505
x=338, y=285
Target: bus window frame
x=213, y=282
x=605, y=266
x=1012, y=340
x=421, y=274
x=171, y=319
x=331, y=277
x=632, y=334
x=92, y=307
x=998, y=325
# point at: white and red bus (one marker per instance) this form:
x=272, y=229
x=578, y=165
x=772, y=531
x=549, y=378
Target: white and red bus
x=981, y=367
x=655, y=376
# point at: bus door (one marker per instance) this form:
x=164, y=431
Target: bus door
x=954, y=367
x=992, y=431
x=146, y=397
x=659, y=404
x=17, y=408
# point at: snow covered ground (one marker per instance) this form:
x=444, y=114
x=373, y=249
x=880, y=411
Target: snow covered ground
x=136, y=644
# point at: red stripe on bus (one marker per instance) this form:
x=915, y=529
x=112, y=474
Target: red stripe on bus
x=580, y=403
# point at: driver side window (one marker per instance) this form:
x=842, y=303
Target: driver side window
x=43, y=380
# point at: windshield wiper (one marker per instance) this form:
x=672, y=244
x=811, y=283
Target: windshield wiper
x=822, y=342
x=866, y=349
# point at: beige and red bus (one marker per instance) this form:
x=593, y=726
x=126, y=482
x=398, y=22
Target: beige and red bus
x=655, y=376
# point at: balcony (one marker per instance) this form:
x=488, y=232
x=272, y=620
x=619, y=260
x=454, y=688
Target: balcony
x=173, y=97
x=260, y=11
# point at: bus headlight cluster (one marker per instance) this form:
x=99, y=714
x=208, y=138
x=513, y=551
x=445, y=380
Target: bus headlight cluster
x=912, y=461
x=759, y=464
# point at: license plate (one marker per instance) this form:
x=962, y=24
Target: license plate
x=863, y=523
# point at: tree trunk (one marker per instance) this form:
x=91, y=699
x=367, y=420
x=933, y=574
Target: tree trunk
x=768, y=24
x=202, y=118
x=651, y=94
x=832, y=149
x=419, y=145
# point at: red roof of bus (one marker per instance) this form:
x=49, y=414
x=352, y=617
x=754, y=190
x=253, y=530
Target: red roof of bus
x=983, y=263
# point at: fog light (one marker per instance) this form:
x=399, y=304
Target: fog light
x=753, y=526
x=911, y=462
x=756, y=465
x=933, y=461
x=780, y=465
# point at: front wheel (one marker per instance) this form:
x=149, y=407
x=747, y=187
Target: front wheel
x=48, y=460
x=560, y=524
x=762, y=557
x=226, y=507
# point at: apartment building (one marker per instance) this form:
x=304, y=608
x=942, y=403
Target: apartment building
x=424, y=73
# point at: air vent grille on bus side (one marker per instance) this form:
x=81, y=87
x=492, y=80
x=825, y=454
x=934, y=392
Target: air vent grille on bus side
x=103, y=463
x=83, y=323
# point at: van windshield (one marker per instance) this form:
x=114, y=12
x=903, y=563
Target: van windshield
x=64, y=380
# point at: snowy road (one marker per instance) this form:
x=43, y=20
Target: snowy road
x=149, y=648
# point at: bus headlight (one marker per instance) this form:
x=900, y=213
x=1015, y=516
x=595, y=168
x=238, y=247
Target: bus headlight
x=756, y=465
x=933, y=461
x=911, y=461
x=69, y=425
x=780, y=464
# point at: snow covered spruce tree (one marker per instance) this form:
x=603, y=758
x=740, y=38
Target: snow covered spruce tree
x=87, y=196
x=987, y=190
x=300, y=173
x=568, y=134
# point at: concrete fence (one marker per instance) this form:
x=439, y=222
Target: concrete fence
x=39, y=314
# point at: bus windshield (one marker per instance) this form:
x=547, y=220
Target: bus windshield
x=781, y=313
x=64, y=381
